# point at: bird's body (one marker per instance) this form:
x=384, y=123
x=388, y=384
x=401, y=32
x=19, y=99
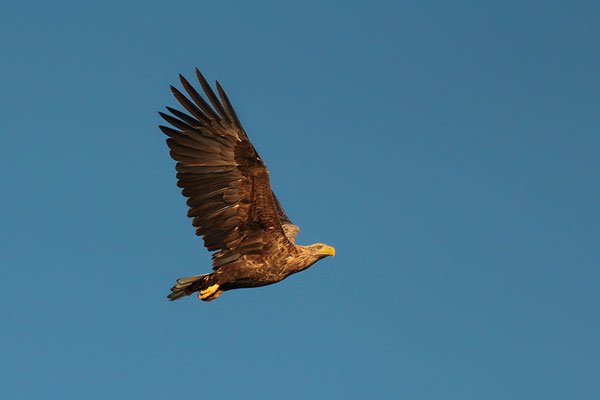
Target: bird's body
x=230, y=198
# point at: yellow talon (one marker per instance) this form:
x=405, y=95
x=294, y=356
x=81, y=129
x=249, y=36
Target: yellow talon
x=214, y=296
x=209, y=292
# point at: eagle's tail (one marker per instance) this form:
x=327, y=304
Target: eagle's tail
x=186, y=286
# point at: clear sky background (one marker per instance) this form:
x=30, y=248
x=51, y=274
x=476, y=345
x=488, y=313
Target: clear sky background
x=448, y=150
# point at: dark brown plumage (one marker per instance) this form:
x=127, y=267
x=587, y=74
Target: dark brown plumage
x=230, y=199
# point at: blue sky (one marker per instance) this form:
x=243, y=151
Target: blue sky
x=448, y=150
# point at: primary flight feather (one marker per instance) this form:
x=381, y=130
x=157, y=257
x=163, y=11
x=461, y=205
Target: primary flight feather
x=230, y=199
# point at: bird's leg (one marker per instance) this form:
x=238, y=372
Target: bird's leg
x=210, y=293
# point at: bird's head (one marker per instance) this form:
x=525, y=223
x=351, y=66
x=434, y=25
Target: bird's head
x=320, y=250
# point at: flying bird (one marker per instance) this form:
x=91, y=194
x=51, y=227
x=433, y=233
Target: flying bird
x=230, y=199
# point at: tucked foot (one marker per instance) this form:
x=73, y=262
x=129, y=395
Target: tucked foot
x=214, y=296
x=210, y=293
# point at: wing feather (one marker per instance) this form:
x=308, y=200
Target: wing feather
x=183, y=116
x=229, y=107
x=188, y=105
x=212, y=97
x=210, y=113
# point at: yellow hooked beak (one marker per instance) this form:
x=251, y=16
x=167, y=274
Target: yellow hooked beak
x=328, y=251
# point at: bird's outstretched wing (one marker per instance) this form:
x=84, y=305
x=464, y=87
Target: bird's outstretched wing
x=223, y=177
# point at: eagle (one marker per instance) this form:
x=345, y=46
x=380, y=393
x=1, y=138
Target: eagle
x=229, y=196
